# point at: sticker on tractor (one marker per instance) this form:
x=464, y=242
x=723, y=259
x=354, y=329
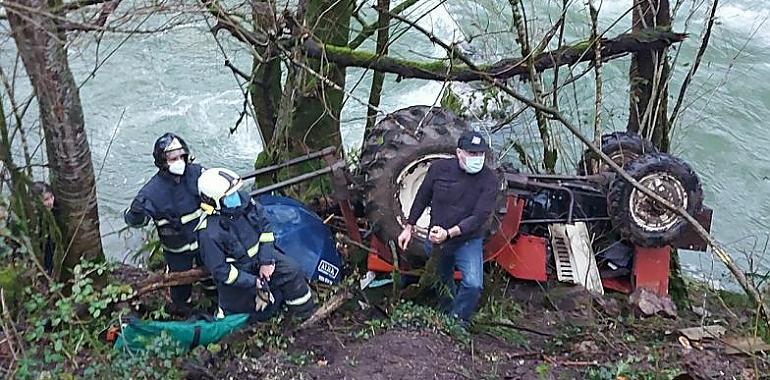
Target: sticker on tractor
x=328, y=269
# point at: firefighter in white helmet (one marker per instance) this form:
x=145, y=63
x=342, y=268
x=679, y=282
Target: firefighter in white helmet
x=238, y=248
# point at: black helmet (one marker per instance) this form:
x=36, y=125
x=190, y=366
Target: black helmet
x=165, y=144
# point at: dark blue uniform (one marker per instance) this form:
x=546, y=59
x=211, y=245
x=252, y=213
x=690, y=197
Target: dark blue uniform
x=173, y=203
x=234, y=243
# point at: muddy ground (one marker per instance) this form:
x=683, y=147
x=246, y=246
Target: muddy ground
x=586, y=338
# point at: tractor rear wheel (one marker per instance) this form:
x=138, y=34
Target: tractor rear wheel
x=621, y=147
x=642, y=220
x=395, y=158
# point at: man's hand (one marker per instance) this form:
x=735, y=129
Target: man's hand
x=438, y=235
x=405, y=237
x=265, y=271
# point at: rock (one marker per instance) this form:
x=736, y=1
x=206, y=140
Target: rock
x=587, y=346
x=701, y=332
x=746, y=345
x=608, y=305
x=569, y=299
x=701, y=312
x=646, y=303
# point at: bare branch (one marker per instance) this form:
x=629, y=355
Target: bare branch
x=696, y=64
x=370, y=29
x=502, y=70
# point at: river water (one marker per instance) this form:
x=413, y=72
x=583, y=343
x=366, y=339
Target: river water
x=175, y=81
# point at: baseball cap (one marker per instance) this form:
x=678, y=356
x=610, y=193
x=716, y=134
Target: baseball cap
x=472, y=141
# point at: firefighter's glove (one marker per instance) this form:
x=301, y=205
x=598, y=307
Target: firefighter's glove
x=264, y=297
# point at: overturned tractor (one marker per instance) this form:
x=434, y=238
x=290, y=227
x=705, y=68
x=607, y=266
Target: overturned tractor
x=544, y=223
x=593, y=228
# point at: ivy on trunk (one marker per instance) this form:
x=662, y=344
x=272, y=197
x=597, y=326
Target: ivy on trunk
x=41, y=45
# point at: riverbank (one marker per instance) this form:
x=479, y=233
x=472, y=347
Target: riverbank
x=522, y=331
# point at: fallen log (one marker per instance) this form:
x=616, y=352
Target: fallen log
x=166, y=280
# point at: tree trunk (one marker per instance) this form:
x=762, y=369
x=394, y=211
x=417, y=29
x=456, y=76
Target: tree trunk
x=383, y=34
x=265, y=86
x=649, y=104
x=549, y=149
x=313, y=121
x=649, y=76
x=41, y=47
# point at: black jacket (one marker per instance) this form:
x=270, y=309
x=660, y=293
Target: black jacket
x=234, y=243
x=456, y=198
x=173, y=203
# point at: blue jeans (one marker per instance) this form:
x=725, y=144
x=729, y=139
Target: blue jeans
x=467, y=257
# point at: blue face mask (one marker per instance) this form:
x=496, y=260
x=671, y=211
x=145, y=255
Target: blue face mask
x=232, y=200
x=474, y=164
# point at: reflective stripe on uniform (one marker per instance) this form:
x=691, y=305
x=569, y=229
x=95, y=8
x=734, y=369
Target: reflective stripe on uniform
x=220, y=313
x=202, y=223
x=230, y=260
x=253, y=250
x=300, y=300
x=266, y=237
x=185, y=248
x=232, y=276
x=191, y=216
x=161, y=222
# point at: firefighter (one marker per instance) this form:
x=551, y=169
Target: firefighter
x=237, y=246
x=461, y=192
x=170, y=198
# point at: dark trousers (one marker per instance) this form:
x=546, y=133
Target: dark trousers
x=288, y=285
x=180, y=262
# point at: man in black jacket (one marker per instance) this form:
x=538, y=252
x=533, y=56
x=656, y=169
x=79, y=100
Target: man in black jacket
x=237, y=246
x=170, y=198
x=461, y=193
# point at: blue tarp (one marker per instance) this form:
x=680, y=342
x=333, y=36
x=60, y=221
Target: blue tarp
x=302, y=235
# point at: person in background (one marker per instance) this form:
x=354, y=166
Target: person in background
x=45, y=192
x=462, y=193
x=170, y=199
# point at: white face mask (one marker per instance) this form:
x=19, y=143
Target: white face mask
x=474, y=164
x=177, y=167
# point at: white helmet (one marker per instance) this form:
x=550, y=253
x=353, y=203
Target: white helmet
x=216, y=183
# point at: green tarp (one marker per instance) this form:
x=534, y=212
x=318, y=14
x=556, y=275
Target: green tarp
x=136, y=334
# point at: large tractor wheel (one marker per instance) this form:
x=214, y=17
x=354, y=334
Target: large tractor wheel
x=395, y=158
x=644, y=221
x=621, y=147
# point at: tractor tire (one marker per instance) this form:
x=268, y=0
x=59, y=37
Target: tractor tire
x=394, y=161
x=643, y=221
x=622, y=147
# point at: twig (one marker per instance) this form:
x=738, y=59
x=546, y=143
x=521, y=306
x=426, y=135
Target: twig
x=348, y=240
x=327, y=309
x=237, y=71
x=598, y=70
x=568, y=363
x=7, y=330
x=516, y=327
x=694, y=68
x=12, y=330
x=331, y=328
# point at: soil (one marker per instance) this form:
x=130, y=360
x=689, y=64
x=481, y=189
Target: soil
x=586, y=338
